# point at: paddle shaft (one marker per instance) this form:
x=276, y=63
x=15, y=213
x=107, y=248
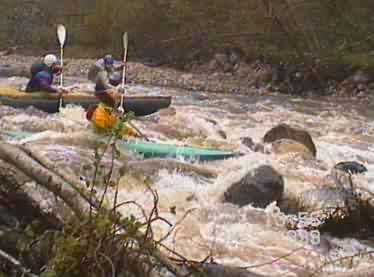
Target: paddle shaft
x=136, y=129
x=61, y=35
x=61, y=77
x=62, y=64
x=124, y=71
x=125, y=43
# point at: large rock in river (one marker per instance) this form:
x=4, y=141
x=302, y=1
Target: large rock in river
x=284, y=131
x=259, y=188
x=287, y=146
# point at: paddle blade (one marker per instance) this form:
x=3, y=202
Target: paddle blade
x=125, y=42
x=61, y=34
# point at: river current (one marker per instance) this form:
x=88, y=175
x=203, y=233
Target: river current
x=342, y=130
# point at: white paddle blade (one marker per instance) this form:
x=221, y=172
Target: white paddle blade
x=125, y=42
x=61, y=34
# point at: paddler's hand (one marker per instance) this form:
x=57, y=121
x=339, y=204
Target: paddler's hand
x=115, y=94
x=62, y=91
x=121, y=90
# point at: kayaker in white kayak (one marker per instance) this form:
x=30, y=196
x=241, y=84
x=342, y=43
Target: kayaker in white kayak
x=43, y=64
x=43, y=80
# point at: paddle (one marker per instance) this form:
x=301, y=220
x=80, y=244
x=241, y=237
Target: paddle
x=121, y=109
x=61, y=35
x=125, y=44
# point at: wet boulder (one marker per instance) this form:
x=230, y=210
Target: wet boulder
x=247, y=141
x=259, y=188
x=351, y=167
x=327, y=201
x=287, y=146
x=255, y=147
x=333, y=210
x=284, y=131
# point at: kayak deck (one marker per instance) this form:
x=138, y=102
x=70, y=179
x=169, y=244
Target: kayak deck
x=153, y=149
x=160, y=150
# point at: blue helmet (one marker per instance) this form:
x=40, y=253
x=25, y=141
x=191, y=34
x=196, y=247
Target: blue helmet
x=108, y=60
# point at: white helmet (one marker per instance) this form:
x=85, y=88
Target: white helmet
x=50, y=59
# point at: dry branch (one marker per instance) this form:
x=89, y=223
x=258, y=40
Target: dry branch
x=43, y=176
x=15, y=196
x=71, y=179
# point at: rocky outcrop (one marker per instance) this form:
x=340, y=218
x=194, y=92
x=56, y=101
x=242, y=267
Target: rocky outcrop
x=358, y=83
x=259, y=188
x=284, y=131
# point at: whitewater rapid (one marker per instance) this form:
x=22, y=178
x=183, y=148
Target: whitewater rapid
x=231, y=235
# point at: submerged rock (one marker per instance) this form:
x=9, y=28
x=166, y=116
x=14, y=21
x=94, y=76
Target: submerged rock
x=153, y=166
x=247, y=141
x=284, y=131
x=255, y=147
x=259, y=188
x=351, y=167
x=171, y=111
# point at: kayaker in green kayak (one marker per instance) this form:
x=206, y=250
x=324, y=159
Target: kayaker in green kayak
x=106, y=76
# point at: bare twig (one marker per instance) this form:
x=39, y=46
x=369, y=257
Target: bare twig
x=175, y=225
x=16, y=264
x=111, y=264
x=275, y=260
x=319, y=269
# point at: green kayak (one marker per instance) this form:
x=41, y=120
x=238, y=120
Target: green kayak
x=16, y=135
x=152, y=149
x=160, y=150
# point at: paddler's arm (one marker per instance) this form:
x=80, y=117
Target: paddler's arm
x=118, y=65
x=103, y=81
x=44, y=86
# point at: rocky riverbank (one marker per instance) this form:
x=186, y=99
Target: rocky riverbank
x=227, y=72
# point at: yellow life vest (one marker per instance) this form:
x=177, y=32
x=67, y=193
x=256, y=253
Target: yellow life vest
x=105, y=119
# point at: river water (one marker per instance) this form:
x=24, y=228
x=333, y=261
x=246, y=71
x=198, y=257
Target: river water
x=342, y=130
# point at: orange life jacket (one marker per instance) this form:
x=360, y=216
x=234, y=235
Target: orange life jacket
x=105, y=119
